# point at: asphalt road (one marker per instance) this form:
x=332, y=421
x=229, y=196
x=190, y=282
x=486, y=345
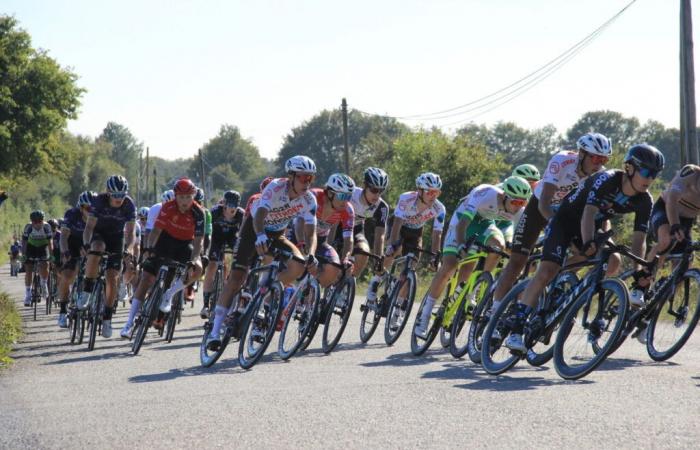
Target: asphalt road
x=360, y=396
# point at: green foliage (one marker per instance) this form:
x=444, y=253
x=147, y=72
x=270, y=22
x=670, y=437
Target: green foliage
x=37, y=97
x=126, y=149
x=10, y=328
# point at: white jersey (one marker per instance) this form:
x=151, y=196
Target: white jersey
x=482, y=204
x=153, y=212
x=379, y=210
x=561, y=172
x=281, y=210
x=407, y=210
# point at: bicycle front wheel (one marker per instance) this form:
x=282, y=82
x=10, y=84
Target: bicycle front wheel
x=590, y=329
x=298, y=316
x=675, y=318
x=260, y=326
x=470, y=320
x=145, y=318
x=401, y=302
x=338, y=315
x=95, y=314
x=419, y=344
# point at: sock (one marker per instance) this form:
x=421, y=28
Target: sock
x=495, y=304
x=107, y=314
x=28, y=290
x=45, y=282
x=63, y=310
x=135, y=305
x=427, y=308
x=219, y=316
x=175, y=287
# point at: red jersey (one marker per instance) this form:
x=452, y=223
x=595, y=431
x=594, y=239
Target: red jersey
x=182, y=226
x=345, y=217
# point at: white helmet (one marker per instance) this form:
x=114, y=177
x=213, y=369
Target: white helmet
x=428, y=180
x=300, y=163
x=167, y=195
x=339, y=182
x=595, y=144
x=376, y=177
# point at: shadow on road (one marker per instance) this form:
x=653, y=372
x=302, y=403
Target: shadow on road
x=342, y=347
x=92, y=357
x=408, y=359
x=505, y=383
x=624, y=363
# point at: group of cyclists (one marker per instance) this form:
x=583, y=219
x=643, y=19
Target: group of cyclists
x=323, y=230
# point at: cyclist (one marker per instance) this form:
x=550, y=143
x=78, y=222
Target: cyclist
x=585, y=210
x=178, y=234
x=565, y=171
x=36, y=243
x=413, y=210
x=109, y=228
x=368, y=203
x=142, y=219
x=528, y=172
x=282, y=200
x=71, y=242
x=475, y=217
x=226, y=223
x=15, y=253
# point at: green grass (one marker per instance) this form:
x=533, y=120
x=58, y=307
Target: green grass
x=10, y=328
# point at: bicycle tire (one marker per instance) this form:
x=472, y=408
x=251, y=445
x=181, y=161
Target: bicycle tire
x=95, y=311
x=330, y=340
x=172, y=317
x=562, y=366
x=267, y=320
x=49, y=296
x=662, y=355
x=318, y=314
x=298, y=324
x=419, y=345
x=490, y=346
x=144, y=320
x=391, y=336
x=370, y=316
x=207, y=357
x=74, y=320
x=479, y=293
x=35, y=292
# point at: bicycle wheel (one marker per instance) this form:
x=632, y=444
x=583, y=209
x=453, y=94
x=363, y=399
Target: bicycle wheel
x=420, y=345
x=338, y=315
x=95, y=313
x=301, y=314
x=543, y=349
x=145, y=318
x=36, y=293
x=172, y=317
x=260, y=326
x=49, y=296
x=589, y=322
x=399, y=308
x=675, y=318
x=208, y=357
x=318, y=315
x=369, y=321
x=469, y=322
x=75, y=323
x=496, y=358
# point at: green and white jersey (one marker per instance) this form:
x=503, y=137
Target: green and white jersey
x=37, y=237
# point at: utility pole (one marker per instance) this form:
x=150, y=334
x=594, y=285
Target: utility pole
x=155, y=191
x=145, y=189
x=139, y=181
x=689, y=136
x=344, y=107
x=202, y=181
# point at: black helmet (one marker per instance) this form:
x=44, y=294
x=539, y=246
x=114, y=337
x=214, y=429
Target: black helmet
x=645, y=156
x=36, y=215
x=199, y=196
x=232, y=199
x=53, y=223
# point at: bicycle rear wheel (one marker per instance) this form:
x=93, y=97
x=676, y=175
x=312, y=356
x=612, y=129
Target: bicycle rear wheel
x=338, y=315
x=145, y=318
x=469, y=322
x=260, y=326
x=208, y=357
x=675, y=318
x=420, y=345
x=301, y=315
x=587, y=323
x=369, y=320
x=399, y=308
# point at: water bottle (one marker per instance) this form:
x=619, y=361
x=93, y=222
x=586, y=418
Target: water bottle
x=637, y=297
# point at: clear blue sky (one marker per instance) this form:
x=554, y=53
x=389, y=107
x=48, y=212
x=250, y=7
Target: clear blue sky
x=174, y=71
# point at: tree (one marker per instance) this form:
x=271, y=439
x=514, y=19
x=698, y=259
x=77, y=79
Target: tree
x=621, y=130
x=126, y=149
x=37, y=97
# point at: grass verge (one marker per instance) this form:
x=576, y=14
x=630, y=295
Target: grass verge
x=10, y=328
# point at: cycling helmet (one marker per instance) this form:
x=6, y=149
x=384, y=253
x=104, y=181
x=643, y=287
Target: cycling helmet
x=143, y=211
x=595, y=144
x=53, y=223
x=527, y=171
x=645, y=156
x=184, y=186
x=341, y=183
x=428, y=180
x=199, y=196
x=265, y=182
x=517, y=187
x=232, y=199
x=117, y=183
x=376, y=177
x=85, y=198
x=36, y=215
x=168, y=195
x=300, y=163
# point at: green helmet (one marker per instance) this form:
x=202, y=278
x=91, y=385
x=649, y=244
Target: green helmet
x=517, y=187
x=527, y=171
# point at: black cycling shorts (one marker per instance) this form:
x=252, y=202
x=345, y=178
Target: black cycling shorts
x=168, y=247
x=41, y=252
x=114, y=244
x=659, y=217
x=528, y=228
x=244, y=252
x=558, y=236
x=75, y=243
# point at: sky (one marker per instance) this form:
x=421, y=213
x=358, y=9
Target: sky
x=174, y=71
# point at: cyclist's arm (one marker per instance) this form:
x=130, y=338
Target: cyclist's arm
x=435, y=241
x=545, y=200
x=63, y=243
x=378, y=240
x=347, y=248
x=310, y=238
x=197, y=248
x=395, y=229
x=259, y=220
x=462, y=226
x=89, y=228
x=153, y=236
x=678, y=186
x=639, y=244
x=588, y=223
x=130, y=232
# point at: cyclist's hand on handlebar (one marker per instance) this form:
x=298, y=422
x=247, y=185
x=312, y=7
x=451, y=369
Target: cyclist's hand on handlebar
x=589, y=249
x=434, y=263
x=642, y=277
x=677, y=232
x=261, y=244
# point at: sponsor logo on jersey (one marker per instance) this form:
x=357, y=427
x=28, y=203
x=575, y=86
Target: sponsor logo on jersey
x=554, y=167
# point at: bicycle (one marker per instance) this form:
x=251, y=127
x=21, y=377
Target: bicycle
x=168, y=271
x=76, y=317
x=388, y=305
x=35, y=289
x=458, y=304
x=300, y=317
x=218, y=282
x=96, y=300
x=52, y=289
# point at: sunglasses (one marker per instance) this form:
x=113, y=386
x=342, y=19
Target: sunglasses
x=375, y=190
x=432, y=191
x=598, y=159
x=518, y=202
x=648, y=173
x=117, y=195
x=343, y=196
x=305, y=177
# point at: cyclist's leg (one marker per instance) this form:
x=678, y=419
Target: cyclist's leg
x=28, y=269
x=114, y=244
x=493, y=236
x=327, y=274
x=294, y=267
x=215, y=254
x=361, y=243
x=91, y=268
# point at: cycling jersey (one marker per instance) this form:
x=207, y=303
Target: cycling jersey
x=181, y=226
x=407, y=210
x=281, y=209
x=482, y=202
x=345, y=217
x=379, y=211
x=153, y=212
x=251, y=201
x=207, y=222
x=222, y=226
x=37, y=237
x=111, y=220
x=73, y=221
x=561, y=172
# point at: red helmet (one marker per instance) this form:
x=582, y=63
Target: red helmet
x=265, y=182
x=185, y=186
